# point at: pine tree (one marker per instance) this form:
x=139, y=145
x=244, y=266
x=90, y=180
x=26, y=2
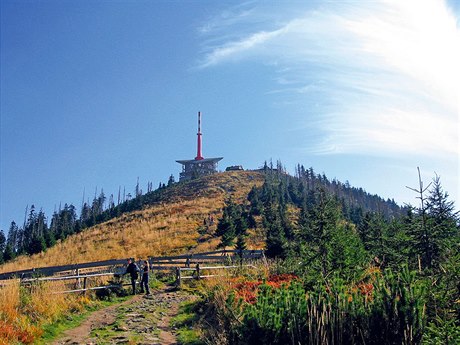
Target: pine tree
x=435, y=227
x=241, y=223
x=442, y=222
x=241, y=243
x=8, y=254
x=12, y=240
x=171, y=180
x=49, y=238
x=2, y=245
x=319, y=227
x=226, y=227
x=37, y=245
x=256, y=206
x=373, y=231
x=276, y=244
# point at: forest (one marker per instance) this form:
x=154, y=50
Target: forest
x=342, y=274
x=39, y=232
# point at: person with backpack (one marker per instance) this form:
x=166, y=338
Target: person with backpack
x=133, y=271
x=145, y=278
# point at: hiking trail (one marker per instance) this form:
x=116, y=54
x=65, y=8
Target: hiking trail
x=143, y=319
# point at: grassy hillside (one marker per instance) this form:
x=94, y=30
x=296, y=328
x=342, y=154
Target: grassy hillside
x=172, y=225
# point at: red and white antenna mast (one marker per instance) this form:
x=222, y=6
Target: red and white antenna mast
x=198, y=150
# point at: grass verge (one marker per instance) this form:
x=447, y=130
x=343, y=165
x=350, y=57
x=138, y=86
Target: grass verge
x=185, y=323
x=52, y=330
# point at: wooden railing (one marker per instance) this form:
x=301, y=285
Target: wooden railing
x=176, y=264
x=197, y=272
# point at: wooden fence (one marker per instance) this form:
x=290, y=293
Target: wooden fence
x=81, y=273
x=197, y=272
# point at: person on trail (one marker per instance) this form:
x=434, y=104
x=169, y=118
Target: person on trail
x=133, y=271
x=145, y=278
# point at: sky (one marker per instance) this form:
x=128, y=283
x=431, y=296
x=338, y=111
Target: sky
x=99, y=94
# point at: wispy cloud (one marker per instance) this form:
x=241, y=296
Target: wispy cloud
x=236, y=49
x=384, y=75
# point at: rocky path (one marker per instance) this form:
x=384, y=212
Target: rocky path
x=140, y=320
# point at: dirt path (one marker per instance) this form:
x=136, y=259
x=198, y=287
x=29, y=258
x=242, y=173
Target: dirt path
x=140, y=320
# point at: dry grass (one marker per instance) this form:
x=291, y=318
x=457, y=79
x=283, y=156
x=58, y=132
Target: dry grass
x=24, y=310
x=167, y=227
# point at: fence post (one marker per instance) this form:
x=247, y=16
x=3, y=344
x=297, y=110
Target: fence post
x=187, y=262
x=178, y=277
x=77, y=271
x=198, y=271
x=84, y=283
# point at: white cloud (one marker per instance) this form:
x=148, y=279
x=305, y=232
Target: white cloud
x=237, y=48
x=384, y=75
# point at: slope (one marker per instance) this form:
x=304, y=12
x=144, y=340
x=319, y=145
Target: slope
x=173, y=224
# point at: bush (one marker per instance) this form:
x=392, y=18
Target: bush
x=382, y=308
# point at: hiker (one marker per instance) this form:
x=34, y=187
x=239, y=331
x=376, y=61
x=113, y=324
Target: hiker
x=133, y=271
x=145, y=278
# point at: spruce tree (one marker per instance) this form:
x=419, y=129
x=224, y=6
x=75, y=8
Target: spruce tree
x=2, y=245
x=8, y=254
x=171, y=180
x=276, y=244
x=319, y=227
x=435, y=227
x=226, y=227
x=442, y=222
x=12, y=240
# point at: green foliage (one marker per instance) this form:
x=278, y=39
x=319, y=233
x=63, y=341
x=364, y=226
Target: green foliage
x=186, y=321
x=241, y=243
x=276, y=242
x=434, y=228
x=233, y=224
x=330, y=244
x=388, y=309
x=442, y=332
x=2, y=245
x=226, y=228
x=9, y=253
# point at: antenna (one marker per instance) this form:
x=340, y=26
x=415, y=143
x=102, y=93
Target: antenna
x=198, y=151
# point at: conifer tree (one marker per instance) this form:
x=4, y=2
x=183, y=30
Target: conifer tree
x=171, y=180
x=2, y=245
x=318, y=229
x=276, y=244
x=12, y=240
x=226, y=227
x=442, y=222
x=434, y=227
x=8, y=254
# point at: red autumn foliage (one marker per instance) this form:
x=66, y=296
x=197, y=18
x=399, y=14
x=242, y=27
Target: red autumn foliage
x=248, y=290
x=12, y=333
x=366, y=289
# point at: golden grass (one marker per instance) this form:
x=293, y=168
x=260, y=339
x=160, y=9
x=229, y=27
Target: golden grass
x=24, y=310
x=167, y=227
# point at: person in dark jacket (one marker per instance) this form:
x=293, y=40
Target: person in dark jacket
x=133, y=271
x=145, y=278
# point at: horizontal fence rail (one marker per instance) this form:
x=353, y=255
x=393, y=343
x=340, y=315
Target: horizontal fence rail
x=196, y=272
x=157, y=263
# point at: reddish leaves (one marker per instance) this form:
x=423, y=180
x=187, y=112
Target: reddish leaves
x=248, y=290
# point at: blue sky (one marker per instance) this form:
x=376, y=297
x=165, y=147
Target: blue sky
x=95, y=94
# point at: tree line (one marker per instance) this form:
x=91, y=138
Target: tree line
x=39, y=232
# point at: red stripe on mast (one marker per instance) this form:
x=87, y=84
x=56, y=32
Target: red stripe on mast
x=198, y=150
